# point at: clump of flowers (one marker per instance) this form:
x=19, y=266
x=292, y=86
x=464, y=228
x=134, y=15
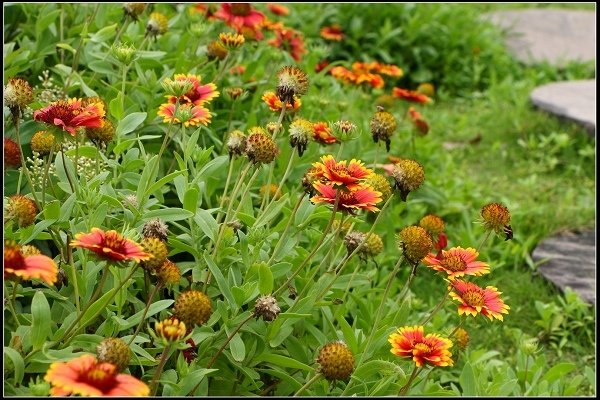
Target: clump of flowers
x=336, y=361
x=431, y=349
x=368, y=72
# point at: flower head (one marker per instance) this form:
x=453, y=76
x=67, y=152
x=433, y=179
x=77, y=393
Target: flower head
x=383, y=125
x=188, y=113
x=336, y=361
x=71, y=114
x=362, y=197
x=457, y=262
x=33, y=266
x=198, y=94
x=473, y=300
x=157, y=24
x=18, y=94
x=409, y=176
x=124, y=53
x=155, y=228
x=323, y=133
x=432, y=349
x=292, y=82
x=434, y=225
x=241, y=15
x=418, y=121
x=101, y=135
x=260, y=147
x=461, y=337
x=20, y=209
x=301, y=131
x=114, y=351
x=278, y=9
x=291, y=40
x=231, y=40
x=110, y=245
x=275, y=104
x=427, y=89
x=266, y=307
x=168, y=273
x=157, y=249
x=333, y=33
x=215, y=49
x=410, y=95
x=380, y=184
x=415, y=243
x=192, y=308
x=86, y=376
x=170, y=330
x=134, y=10
x=337, y=173
x=496, y=217
x=236, y=143
x=43, y=142
x=12, y=153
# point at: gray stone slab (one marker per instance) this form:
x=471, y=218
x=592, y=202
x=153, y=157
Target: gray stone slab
x=569, y=260
x=574, y=100
x=552, y=35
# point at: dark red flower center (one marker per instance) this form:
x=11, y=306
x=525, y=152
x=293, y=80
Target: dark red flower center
x=454, y=263
x=61, y=110
x=13, y=257
x=241, y=9
x=101, y=376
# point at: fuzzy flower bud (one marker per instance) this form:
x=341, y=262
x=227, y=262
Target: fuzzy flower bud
x=170, y=330
x=380, y=183
x=300, y=131
x=292, y=82
x=496, y=217
x=12, y=153
x=155, y=228
x=158, y=249
x=18, y=94
x=124, y=53
x=168, y=273
x=43, y=142
x=102, y=135
x=215, y=49
x=267, y=308
x=134, y=10
x=236, y=144
x=157, y=24
x=415, y=243
x=231, y=40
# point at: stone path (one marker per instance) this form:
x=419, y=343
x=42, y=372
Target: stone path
x=557, y=37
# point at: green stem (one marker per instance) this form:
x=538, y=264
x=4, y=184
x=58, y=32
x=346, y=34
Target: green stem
x=12, y=302
x=237, y=329
x=460, y=324
x=285, y=176
x=405, y=388
x=267, y=194
x=404, y=290
x=222, y=71
x=339, y=153
x=23, y=165
x=308, y=384
x=163, y=360
x=46, y=177
x=148, y=303
x=437, y=308
x=224, y=195
x=316, y=248
x=62, y=154
x=287, y=228
x=485, y=238
x=280, y=120
x=244, y=193
x=69, y=255
x=123, y=81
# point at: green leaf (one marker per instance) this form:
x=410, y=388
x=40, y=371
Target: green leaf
x=130, y=122
x=379, y=367
x=282, y=361
x=190, y=199
x=116, y=107
x=66, y=47
x=124, y=145
x=558, y=371
x=206, y=222
x=44, y=20
x=95, y=309
x=349, y=335
x=52, y=210
x=41, y=320
x=221, y=282
x=104, y=34
x=191, y=380
x=271, y=212
x=154, y=308
x=39, y=228
x=83, y=151
x=162, y=182
x=467, y=381
x=168, y=214
x=18, y=364
x=265, y=279
x=237, y=348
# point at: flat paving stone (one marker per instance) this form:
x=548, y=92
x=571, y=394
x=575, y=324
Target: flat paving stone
x=570, y=261
x=574, y=100
x=553, y=35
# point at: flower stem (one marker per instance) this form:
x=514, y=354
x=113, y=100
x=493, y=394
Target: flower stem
x=316, y=248
x=69, y=254
x=237, y=329
x=285, y=176
x=46, y=177
x=62, y=154
x=437, y=308
x=408, y=384
x=23, y=165
x=123, y=81
x=460, y=324
x=12, y=302
x=308, y=384
x=404, y=290
x=137, y=330
x=163, y=360
x=485, y=238
x=231, y=162
x=279, y=120
x=287, y=228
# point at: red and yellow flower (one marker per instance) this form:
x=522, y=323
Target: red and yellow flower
x=410, y=95
x=290, y=40
x=199, y=94
x=275, y=104
x=333, y=33
x=457, y=262
x=362, y=197
x=337, y=173
x=27, y=267
x=323, y=133
x=69, y=115
x=241, y=15
x=475, y=300
x=432, y=349
x=278, y=9
x=418, y=121
x=195, y=115
x=85, y=376
x=110, y=245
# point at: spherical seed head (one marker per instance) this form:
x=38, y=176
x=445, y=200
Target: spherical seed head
x=266, y=307
x=193, y=308
x=157, y=24
x=21, y=209
x=495, y=217
x=168, y=273
x=155, y=228
x=354, y=239
x=231, y=40
x=215, y=49
x=292, y=81
x=461, y=338
x=260, y=148
x=433, y=224
x=29, y=250
x=415, y=243
x=236, y=144
x=380, y=183
x=12, y=153
x=409, y=175
x=336, y=361
x=301, y=131
x=17, y=94
x=373, y=246
x=43, y=142
x=383, y=125
x=134, y=10
x=114, y=351
x=104, y=134
x=170, y=330
x=158, y=249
